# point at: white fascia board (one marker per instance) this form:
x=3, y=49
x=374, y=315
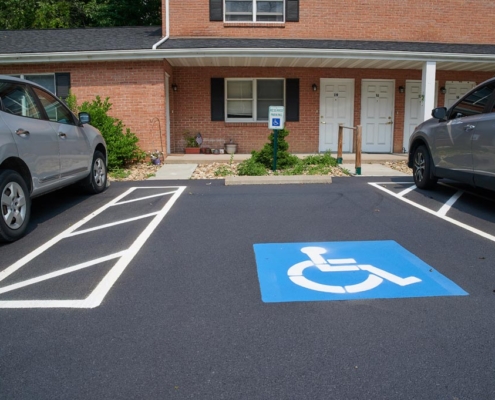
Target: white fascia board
x=160, y=54
x=81, y=56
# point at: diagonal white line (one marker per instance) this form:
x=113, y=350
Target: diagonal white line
x=144, y=198
x=450, y=202
x=97, y=296
x=60, y=272
x=35, y=253
x=444, y=217
x=406, y=191
x=124, y=221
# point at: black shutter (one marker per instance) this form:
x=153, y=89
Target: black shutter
x=62, y=82
x=217, y=99
x=292, y=99
x=292, y=10
x=216, y=10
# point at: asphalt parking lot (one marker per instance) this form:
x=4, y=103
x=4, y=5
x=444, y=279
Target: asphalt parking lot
x=170, y=290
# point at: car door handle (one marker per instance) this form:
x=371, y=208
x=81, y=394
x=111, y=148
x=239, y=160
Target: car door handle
x=323, y=122
x=21, y=131
x=468, y=128
x=62, y=135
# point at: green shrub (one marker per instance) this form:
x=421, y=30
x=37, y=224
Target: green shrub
x=121, y=142
x=321, y=159
x=251, y=167
x=284, y=158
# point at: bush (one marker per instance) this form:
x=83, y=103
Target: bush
x=284, y=158
x=251, y=167
x=121, y=142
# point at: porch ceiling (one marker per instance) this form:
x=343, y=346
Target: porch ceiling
x=325, y=62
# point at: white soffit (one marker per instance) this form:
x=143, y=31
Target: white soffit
x=285, y=58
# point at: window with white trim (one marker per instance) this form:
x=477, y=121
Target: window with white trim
x=254, y=11
x=248, y=100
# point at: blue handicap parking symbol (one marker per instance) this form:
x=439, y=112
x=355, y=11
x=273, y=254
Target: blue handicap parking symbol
x=346, y=271
x=276, y=122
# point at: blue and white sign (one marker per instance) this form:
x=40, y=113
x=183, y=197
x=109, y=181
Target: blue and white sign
x=346, y=271
x=276, y=117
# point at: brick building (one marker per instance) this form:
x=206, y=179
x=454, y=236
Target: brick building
x=215, y=66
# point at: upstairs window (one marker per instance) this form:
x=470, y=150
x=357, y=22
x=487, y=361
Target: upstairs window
x=254, y=11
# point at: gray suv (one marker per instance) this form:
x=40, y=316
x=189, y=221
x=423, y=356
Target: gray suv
x=458, y=143
x=43, y=147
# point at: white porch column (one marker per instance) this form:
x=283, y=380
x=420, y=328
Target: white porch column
x=428, y=88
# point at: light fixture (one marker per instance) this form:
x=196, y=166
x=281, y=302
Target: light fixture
x=401, y=89
x=443, y=90
x=174, y=87
x=315, y=88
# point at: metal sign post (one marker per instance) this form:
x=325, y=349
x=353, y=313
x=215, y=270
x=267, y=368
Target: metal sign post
x=276, y=121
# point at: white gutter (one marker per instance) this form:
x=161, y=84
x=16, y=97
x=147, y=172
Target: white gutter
x=160, y=54
x=167, y=28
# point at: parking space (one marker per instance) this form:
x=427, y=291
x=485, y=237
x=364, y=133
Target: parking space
x=251, y=292
x=78, y=267
x=468, y=208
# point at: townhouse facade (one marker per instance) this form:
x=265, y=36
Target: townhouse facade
x=216, y=66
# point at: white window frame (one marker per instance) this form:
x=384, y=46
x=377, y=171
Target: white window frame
x=255, y=3
x=254, y=101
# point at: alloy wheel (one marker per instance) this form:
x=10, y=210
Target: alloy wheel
x=13, y=205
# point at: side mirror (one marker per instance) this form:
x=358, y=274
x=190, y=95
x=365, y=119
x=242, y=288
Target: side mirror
x=84, y=118
x=439, y=113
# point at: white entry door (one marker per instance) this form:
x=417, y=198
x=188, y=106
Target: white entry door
x=455, y=90
x=377, y=112
x=413, y=111
x=336, y=107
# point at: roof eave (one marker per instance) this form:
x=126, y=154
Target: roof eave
x=158, y=54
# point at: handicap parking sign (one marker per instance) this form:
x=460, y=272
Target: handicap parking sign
x=276, y=122
x=346, y=271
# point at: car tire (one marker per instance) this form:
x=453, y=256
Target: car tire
x=422, y=169
x=96, y=182
x=15, y=206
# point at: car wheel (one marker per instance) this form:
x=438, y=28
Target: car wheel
x=422, y=169
x=96, y=182
x=15, y=206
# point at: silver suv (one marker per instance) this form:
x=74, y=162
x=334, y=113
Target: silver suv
x=458, y=143
x=43, y=147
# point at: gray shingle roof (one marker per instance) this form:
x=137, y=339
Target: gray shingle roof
x=74, y=40
x=195, y=43
x=143, y=38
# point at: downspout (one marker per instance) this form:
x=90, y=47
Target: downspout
x=167, y=29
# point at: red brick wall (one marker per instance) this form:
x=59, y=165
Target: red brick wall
x=136, y=91
x=405, y=20
x=191, y=104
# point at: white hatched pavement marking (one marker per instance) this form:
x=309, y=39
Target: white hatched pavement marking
x=450, y=202
x=125, y=257
x=60, y=272
x=435, y=213
x=142, y=198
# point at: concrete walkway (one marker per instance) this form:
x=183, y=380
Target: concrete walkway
x=182, y=166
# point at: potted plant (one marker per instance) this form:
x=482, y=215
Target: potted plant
x=155, y=157
x=193, y=143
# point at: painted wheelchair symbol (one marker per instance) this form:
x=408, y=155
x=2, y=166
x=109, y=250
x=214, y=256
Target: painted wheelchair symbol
x=376, y=275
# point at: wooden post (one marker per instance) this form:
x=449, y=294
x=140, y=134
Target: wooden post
x=341, y=138
x=359, y=132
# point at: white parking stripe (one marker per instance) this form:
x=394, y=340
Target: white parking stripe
x=124, y=258
x=95, y=298
x=35, y=253
x=124, y=221
x=406, y=191
x=142, y=198
x=60, y=272
x=444, y=217
x=450, y=202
